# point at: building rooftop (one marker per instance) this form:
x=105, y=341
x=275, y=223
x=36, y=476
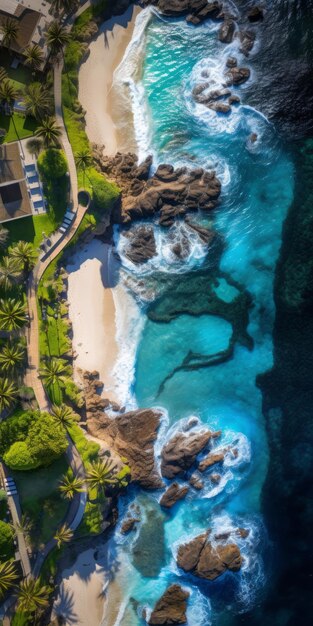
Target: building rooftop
x=26, y=19
x=14, y=201
x=11, y=168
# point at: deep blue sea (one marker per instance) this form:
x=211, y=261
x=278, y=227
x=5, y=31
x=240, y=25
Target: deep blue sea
x=257, y=190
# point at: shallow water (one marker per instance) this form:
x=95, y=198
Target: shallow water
x=257, y=191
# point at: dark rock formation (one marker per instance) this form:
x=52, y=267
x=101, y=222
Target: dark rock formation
x=231, y=62
x=180, y=452
x=171, y=608
x=205, y=234
x=234, y=99
x=220, y=107
x=132, y=436
x=247, y=39
x=204, y=560
x=141, y=246
x=226, y=31
x=196, y=11
x=196, y=482
x=255, y=14
x=212, y=459
x=238, y=75
x=169, y=192
x=173, y=494
x=129, y=524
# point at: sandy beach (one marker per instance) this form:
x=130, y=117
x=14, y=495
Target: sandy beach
x=96, y=76
x=92, y=311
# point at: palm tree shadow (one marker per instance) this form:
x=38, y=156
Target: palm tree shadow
x=64, y=607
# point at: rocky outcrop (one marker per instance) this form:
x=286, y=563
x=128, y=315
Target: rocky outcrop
x=171, y=608
x=180, y=452
x=238, y=75
x=195, y=11
x=256, y=14
x=213, y=458
x=205, y=234
x=247, y=39
x=226, y=31
x=169, y=193
x=207, y=560
x=129, y=524
x=132, y=436
x=141, y=246
x=173, y=494
x=196, y=482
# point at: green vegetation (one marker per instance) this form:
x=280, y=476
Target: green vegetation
x=6, y=541
x=88, y=450
x=31, y=439
x=41, y=500
x=52, y=163
x=8, y=577
x=17, y=126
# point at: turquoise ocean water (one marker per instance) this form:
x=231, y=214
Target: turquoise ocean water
x=257, y=189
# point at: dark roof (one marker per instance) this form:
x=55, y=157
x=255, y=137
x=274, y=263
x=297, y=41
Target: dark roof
x=11, y=168
x=27, y=20
x=14, y=201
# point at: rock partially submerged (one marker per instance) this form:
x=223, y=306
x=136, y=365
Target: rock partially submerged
x=173, y=494
x=171, y=608
x=195, y=11
x=207, y=560
x=132, y=436
x=142, y=245
x=256, y=14
x=129, y=524
x=238, y=75
x=169, y=193
x=180, y=452
x=226, y=31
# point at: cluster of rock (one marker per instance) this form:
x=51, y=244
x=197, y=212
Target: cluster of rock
x=171, y=608
x=169, y=193
x=209, y=559
x=95, y=404
x=195, y=11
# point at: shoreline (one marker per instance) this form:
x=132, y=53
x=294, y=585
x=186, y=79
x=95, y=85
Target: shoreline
x=106, y=52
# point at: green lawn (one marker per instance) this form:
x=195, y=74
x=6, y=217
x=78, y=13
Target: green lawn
x=40, y=499
x=24, y=127
x=21, y=75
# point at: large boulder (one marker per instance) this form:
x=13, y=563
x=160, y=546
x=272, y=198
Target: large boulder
x=180, y=452
x=171, y=607
x=142, y=245
x=207, y=560
x=238, y=75
x=255, y=14
x=173, y=494
x=226, y=31
x=132, y=436
x=247, y=39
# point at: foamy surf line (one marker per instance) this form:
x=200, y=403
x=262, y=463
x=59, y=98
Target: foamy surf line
x=129, y=88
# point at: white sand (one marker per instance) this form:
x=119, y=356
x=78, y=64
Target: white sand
x=81, y=597
x=96, y=76
x=92, y=312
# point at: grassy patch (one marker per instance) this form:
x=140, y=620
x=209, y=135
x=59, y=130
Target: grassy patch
x=88, y=450
x=19, y=127
x=41, y=500
x=21, y=75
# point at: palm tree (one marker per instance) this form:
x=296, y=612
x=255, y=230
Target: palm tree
x=49, y=131
x=67, y=6
x=64, y=415
x=25, y=255
x=3, y=74
x=8, y=93
x=8, y=576
x=101, y=473
x=10, y=272
x=37, y=101
x=32, y=595
x=9, y=29
x=4, y=234
x=33, y=57
x=12, y=314
x=55, y=372
x=83, y=160
x=69, y=486
x=57, y=36
x=63, y=535
x=34, y=145
x=25, y=525
x=11, y=357
x=8, y=393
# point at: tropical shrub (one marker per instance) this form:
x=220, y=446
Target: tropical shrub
x=6, y=541
x=103, y=192
x=19, y=457
x=52, y=163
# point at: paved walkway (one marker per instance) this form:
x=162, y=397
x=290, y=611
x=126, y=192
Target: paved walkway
x=16, y=514
x=64, y=138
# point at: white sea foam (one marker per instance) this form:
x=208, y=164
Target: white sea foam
x=129, y=326
x=126, y=80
